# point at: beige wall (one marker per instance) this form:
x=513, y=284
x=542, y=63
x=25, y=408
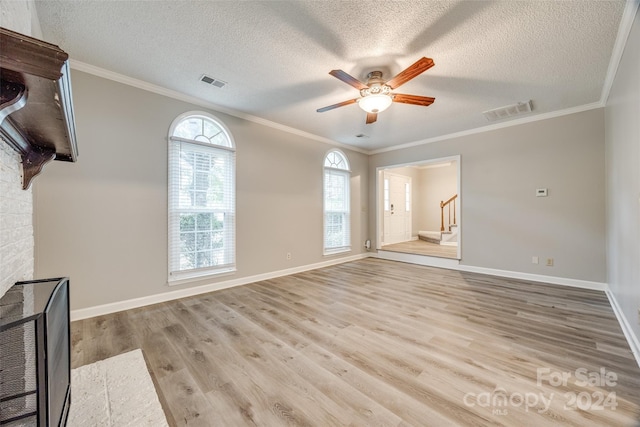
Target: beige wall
x=622, y=118
x=16, y=204
x=503, y=223
x=103, y=220
x=437, y=184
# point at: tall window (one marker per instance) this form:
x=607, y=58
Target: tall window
x=337, y=218
x=201, y=197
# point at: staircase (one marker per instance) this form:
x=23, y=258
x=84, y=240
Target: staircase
x=443, y=237
x=449, y=238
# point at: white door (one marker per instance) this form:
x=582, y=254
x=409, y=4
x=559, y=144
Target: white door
x=397, y=208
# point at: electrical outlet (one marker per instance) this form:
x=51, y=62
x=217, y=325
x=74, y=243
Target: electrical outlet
x=288, y=255
x=549, y=262
x=534, y=260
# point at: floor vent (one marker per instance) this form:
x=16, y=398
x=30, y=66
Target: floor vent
x=508, y=111
x=211, y=81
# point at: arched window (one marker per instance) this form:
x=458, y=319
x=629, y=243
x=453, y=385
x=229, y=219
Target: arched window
x=337, y=216
x=201, y=197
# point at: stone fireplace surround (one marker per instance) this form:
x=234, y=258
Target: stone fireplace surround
x=16, y=205
x=16, y=222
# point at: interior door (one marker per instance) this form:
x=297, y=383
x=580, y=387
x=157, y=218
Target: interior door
x=397, y=208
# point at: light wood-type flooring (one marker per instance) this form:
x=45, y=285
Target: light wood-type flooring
x=380, y=343
x=421, y=247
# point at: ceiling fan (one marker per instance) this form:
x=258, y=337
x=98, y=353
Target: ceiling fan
x=376, y=95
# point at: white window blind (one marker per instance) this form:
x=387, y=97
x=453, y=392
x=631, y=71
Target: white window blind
x=201, y=198
x=337, y=216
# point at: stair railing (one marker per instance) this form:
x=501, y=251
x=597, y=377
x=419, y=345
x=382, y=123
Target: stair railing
x=448, y=204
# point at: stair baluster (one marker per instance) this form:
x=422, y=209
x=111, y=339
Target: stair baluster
x=442, y=206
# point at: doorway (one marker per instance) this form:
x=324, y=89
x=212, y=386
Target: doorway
x=397, y=208
x=418, y=208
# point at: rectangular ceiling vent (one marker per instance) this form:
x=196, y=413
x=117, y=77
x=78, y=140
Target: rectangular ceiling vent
x=211, y=81
x=508, y=111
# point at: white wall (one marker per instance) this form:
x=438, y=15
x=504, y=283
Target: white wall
x=103, y=220
x=504, y=223
x=622, y=132
x=16, y=205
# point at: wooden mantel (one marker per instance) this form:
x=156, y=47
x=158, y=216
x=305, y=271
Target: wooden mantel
x=36, y=110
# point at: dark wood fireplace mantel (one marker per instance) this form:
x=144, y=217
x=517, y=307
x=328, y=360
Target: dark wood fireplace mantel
x=36, y=109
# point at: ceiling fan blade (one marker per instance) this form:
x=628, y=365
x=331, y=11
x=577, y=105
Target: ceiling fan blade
x=348, y=79
x=425, y=101
x=372, y=117
x=419, y=67
x=339, y=104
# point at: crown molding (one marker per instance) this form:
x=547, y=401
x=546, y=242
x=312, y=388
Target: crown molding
x=150, y=87
x=626, y=22
x=495, y=126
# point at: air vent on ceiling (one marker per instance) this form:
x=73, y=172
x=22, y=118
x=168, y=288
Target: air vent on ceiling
x=508, y=111
x=211, y=81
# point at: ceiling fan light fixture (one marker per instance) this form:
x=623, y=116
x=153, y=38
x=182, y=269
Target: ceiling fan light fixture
x=375, y=103
x=376, y=95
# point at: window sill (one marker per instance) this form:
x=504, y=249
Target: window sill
x=337, y=251
x=183, y=278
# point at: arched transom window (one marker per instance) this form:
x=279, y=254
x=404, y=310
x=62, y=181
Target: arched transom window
x=337, y=216
x=201, y=197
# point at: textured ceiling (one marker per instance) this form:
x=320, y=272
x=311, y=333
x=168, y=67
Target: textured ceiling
x=276, y=55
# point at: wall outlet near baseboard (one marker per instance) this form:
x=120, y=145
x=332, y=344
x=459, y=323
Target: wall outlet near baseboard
x=534, y=260
x=549, y=262
x=288, y=255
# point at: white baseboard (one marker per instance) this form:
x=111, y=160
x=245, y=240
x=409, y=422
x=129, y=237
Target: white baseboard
x=624, y=324
x=454, y=264
x=100, y=310
x=576, y=283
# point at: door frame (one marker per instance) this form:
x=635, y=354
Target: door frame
x=380, y=198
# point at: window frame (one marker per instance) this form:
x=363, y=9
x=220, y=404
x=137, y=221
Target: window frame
x=175, y=143
x=346, y=173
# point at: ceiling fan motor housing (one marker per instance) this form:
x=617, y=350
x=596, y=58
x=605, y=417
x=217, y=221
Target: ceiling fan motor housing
x=375, y=77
